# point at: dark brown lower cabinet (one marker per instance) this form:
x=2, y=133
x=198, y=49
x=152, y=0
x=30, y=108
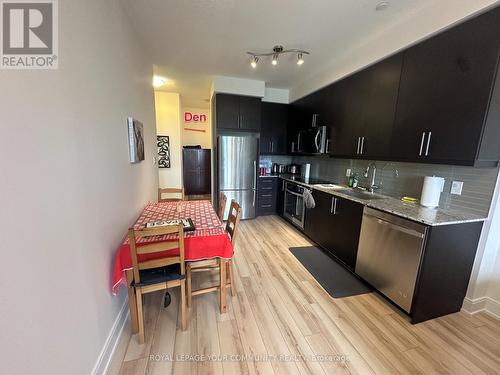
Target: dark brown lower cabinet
x=197, y=171
x=266, y=200
x=334, y=224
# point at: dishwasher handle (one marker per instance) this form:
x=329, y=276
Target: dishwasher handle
x=399, y=228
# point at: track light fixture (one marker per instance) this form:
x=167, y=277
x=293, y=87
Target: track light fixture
x=277, y=51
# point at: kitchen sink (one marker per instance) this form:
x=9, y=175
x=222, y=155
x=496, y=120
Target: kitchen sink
x=356, y=193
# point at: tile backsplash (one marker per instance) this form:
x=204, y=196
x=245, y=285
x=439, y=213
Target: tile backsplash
x=478, y=187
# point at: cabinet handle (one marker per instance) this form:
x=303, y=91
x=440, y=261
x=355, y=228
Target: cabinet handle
x=428, y=144
x=362, y=145
x=328, y=142
x=357, y=150
x=422, y=144
x=241, y=121
x=272, y=146
x=333, y=206
x=283, y=186
x=267, y=195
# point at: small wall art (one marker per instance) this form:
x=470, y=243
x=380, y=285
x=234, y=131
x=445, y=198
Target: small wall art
x=163, y=144
x=135, y=140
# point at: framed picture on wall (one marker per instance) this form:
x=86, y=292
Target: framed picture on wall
x=163, y=143
x=135, y=140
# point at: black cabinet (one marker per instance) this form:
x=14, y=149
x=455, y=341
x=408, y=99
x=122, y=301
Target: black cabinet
x=444, y=96
x=436, y=102
x=250, y=113
x=318, y=219
x=196, y=171
x=362, y=110
x=266, y=195
x=237, y=112
x=273, y=134
x=358, y=110
x=379, y=111
x=335, y=224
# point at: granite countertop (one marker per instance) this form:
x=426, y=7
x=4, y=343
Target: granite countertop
x=412, y=211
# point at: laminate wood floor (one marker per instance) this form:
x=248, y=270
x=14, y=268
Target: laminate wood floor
x=283, y=322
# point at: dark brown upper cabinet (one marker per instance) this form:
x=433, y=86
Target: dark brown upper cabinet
x=273, y=133
x=358, y=110
x=237, y=112
x=448, y=108
x=436, y=102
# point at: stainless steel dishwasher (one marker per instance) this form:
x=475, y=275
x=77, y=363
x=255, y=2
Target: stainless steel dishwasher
x=389, y=253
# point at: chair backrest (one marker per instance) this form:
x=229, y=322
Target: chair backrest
x=170, y=191
x=222, y=206
x=233, y=220
x=149, y=248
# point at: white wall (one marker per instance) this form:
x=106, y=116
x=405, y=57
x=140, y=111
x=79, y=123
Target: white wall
x=168, y=122
x=276, y=95
x=68, y=193
x=484, y=286
x=238, y=86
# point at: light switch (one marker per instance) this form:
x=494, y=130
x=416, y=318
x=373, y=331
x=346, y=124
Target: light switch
x=456, y=187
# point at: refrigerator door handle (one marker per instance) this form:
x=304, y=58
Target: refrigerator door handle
x=255, y=174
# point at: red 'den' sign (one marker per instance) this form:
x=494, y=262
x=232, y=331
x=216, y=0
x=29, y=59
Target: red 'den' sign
x=193, y=117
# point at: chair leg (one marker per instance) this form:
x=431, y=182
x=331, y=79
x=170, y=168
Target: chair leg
x=132, y=304
x=183, y=305
x=231, y=277
x=140, y=316
x=188, y=282
x=222, y=286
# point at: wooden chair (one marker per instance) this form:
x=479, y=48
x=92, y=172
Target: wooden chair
x=170, y=191
x=213, y=264
x=222, y=206
x=157, y=274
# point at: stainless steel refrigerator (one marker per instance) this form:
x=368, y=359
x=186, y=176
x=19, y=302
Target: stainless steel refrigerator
x=238, y=157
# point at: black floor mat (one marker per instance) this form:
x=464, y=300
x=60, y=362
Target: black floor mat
x=333, y=277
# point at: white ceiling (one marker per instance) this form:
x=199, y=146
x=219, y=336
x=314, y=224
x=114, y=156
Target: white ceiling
x=190, y=41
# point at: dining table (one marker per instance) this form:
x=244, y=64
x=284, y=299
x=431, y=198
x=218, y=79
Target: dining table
x=208, y=240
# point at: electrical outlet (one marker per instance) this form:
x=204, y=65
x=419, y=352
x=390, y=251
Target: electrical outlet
x=456, y=187
x=348, y=172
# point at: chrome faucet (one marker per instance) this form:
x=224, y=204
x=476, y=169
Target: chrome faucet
x=372, y=186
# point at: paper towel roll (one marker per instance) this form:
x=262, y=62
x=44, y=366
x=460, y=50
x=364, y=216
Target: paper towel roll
x=431, y=191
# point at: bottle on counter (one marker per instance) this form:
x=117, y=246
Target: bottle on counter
x=355, y=180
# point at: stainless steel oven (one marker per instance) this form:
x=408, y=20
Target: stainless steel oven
x=294, y=206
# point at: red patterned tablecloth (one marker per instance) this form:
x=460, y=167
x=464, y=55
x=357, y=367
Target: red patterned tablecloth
x=208, y=240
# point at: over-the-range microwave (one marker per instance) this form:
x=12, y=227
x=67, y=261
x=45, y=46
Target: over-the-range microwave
x=312, y=140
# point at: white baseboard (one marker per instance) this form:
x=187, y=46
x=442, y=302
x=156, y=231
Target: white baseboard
x=104, y=359
x=486, y=304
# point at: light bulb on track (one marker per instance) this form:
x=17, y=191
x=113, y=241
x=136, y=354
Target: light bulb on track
x=300, y=59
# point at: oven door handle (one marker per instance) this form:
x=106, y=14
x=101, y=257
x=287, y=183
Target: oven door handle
x=293, y=193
